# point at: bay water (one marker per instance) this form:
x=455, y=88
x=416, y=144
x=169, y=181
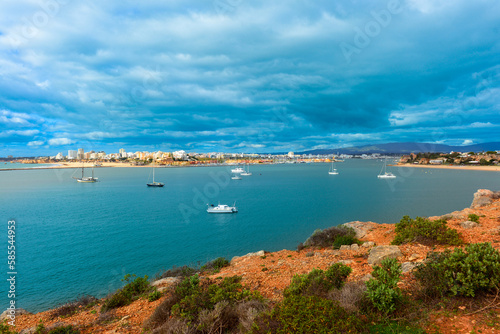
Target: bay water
x=75, y=238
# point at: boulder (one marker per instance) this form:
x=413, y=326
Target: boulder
x=165, y=283
x=259, y=253
x=482, y=197
x=407, y=267
x=454, y=215
x=368, y=244
x=18, y=312
x=345, y=247
x=361, y=228
x=380, y=253
x=355, y=247
x=414, y=257
x=468, y=224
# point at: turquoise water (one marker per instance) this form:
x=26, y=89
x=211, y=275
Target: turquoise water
x=75, y=238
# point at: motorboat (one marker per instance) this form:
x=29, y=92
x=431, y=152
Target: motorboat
x=222, y=208
x=237, y=170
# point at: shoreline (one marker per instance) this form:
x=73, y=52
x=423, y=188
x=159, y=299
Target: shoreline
x=122, y=165
x=477, y=168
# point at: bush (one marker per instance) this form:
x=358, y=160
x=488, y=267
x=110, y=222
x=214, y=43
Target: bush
x=64, y=330
x=395, y=328
x=473, y=218
x=349, y=296
x=126, y=295
x=382, y=289
x=318, y=282
x=5, y=329
x=155, y=295
x=326, y=237
x=308, y=314
x=425, y=231
x=461, y=273
x=204, y=306
x=215, y=265
x=345, y=240
x=196, y=297
x=73, y=307
x=184, y=271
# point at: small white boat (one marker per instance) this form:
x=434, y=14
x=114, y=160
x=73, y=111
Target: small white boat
x=222, y=208
x=236, y=177
x=237, y=170
x=246, y=172
x=333, y=171
x=86, y=179
x=155, y=184
x=384, y=174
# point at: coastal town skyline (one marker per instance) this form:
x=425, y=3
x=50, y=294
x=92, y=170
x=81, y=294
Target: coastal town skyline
x=240, y=76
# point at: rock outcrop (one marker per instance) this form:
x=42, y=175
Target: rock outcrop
x=361, y=228
x=18, y=311
x=483, y=197
x=468, y=224
x=165, y=283
x=380, y=253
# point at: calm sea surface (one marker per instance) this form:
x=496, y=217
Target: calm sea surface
x=74, y=238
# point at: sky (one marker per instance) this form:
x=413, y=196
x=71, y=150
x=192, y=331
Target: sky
x=246, y=76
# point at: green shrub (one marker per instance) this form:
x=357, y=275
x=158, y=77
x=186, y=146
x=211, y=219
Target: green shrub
x=5, y=329
x=425, y=231
x=155, y=295
x=64, y=330
x=308, y=314
x=473, y=218
x=196, y=296
x=318, y=282
x=70, y=308
x=215, y=265
x=126, y=295
x=184, y=271
x=395, y=328
x=461, y=273
x=326, y=237
x=345, y=240
x=382, y=289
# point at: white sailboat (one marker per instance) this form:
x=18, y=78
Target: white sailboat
x=384, y=174
x=333, y=171
x=236, y=177
x=155, y=183
x=247, y=171
x=86, y=179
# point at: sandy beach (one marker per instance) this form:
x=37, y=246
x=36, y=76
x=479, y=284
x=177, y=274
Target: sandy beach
x=481, y=168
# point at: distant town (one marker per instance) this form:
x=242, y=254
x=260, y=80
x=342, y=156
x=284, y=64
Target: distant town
x=183, y=158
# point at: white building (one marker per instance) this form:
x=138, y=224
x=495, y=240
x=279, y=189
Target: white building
x=59, y=156
x=291, y=154
x=180, y=155
x=80, y=155
x=72, y=154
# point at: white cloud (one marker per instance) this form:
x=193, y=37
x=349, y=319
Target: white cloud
x=36, y=143
x=60, y=141
x=467, y=142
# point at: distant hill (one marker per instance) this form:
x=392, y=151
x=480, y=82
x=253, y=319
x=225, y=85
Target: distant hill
x=402, y=148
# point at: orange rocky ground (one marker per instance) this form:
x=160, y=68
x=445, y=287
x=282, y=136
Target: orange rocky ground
x=270, y=273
